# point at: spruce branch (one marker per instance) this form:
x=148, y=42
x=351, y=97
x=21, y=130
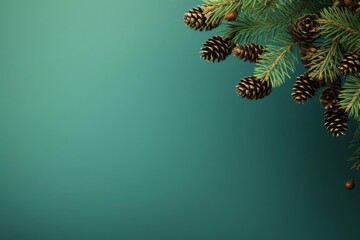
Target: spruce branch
x=325, y=62
x=277, y=62
x=246, y=29
x=263, y=19
x=216, y=10
x=266, y=9
x=341, y=24
x=350, y=96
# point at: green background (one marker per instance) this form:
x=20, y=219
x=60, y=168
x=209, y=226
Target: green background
x=112, y=127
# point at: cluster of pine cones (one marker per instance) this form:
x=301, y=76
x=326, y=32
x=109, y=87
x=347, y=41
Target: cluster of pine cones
x=305, y=31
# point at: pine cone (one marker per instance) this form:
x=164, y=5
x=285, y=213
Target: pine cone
x=350, y=63
x=216, y=48
x=304, y=88
x=329, y=98
x=253, y=88
x=336, y=122
x=196, y=19
x=306, y=54
x=306, y=29
x=249, y=52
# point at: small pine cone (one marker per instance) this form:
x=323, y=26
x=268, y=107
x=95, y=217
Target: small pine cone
x=231, y=16
x=304, y=88
x=249, y=52
x=216, y=49
x=350, y=63
x=253, y=88
x=336, y=122
x=306, y=54
x=196, y=19
x=329, y=98
x=350, y=185
x=306, y=29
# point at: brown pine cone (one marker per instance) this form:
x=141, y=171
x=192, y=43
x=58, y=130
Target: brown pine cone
x=249, y=52
x=336, y=122
x=253, y=88
x=350, y=63
x=196, y=19
x=231, y=16
x=216, y=49
x=329, y=98
x=307, y=53
x=304, y=88
x=350, y=184
x=306, y=29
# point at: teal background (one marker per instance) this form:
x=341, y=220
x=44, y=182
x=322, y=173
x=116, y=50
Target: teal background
x=112, y=127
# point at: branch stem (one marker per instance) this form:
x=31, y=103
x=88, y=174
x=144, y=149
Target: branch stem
x=346, y=28
x=276, y=62
x=353, y=100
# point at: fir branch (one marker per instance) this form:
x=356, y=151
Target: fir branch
x=246, y=29
x=277, y=62
x=216, y=10
x=341, y=24
x=316, y=6
x=263, y=19
x=325, y=62
x=350, y=96
x=274, y=9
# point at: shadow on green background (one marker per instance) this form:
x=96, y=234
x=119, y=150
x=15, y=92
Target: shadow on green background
x=113, y=128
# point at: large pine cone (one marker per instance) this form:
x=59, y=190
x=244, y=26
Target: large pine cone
x=306, y=29
x=216, y=49
x=304, y=88
x=350, y=63
x=329, y=98
x=253, y=88
x=249, y=52
x=307, y=53
x=196, y=19
x=336, y=122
